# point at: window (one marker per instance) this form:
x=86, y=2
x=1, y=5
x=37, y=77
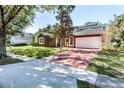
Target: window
x=71, y=40
x=66, y=41
x=41, y=40
x=103, y=28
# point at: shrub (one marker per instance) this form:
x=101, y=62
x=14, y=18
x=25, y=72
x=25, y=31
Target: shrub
x=35, y=44
x=20, y=44
x=108, y=48
x=37, y=52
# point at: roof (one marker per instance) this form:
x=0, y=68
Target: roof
x=89, y=30
x=45, y=34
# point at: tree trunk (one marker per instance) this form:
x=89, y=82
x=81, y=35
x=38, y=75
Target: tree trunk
x=60, y=43
x=3, y=43
x=2, y=34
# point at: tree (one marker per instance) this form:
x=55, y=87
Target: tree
x=57, y=30
x=117, y=26
x=7, y=14
x=23, y=20
x=48, y=29
x=64, y=28
x=14, y=19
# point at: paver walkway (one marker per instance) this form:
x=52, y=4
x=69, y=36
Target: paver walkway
x=79, y=58
x=91, y=77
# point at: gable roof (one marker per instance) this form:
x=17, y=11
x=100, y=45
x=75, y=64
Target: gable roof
x=89, y=30
x=45, y=34
x=82, y=30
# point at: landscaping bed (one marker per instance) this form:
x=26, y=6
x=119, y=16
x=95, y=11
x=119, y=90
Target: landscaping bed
x=36, y=52
x=109, y=63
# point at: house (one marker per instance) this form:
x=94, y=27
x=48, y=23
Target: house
x=89, y=36
x=45, y=39
x=25, y=38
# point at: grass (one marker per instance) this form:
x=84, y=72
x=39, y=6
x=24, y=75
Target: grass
x=109, y=63
x=9, y=60
x=37, y=52
x=84, y=84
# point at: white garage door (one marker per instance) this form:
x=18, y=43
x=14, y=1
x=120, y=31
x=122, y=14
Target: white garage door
x=88, y=42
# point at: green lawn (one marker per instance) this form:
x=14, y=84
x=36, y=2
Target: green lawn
x=9, y=60
x=83, y=84
x=37, y=52
x=109, y=63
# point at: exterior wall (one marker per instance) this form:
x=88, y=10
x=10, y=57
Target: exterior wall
x=36, y=39
x=51, y=42
x=81, y=36
x=48, y=41
x=72, y=46
x=68, y=45
x=57, y=40
x=63, y=41
x=44, y=40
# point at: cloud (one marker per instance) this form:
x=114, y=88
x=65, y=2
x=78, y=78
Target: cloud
x=31, y=29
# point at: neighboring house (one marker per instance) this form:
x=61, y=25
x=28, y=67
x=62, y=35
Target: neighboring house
x=25, y=38
x=90, y=36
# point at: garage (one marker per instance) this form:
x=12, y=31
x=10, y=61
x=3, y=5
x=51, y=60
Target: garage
x=88, y=36
x=88, y=42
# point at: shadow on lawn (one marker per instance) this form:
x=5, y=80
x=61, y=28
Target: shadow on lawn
x=9, y=60
x=111, y=54
x=108, y=63
x=103, y=59
x=106, y=70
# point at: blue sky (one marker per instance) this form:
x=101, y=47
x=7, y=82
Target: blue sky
x=80, y=15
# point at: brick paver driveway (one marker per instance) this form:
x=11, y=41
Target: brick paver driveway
x=79, y=58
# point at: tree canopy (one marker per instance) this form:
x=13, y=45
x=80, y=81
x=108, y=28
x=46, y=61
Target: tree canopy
x=64, y=27
x=48, y=28
x=117, y=26
x=64, y=19
x=24, y=17
x=14, y=18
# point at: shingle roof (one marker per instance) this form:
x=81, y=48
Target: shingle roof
x=45, y=34
x=89, y=30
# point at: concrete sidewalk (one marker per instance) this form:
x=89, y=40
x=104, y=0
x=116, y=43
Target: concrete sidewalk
x=91, y=77
x=29, y=75
x=99, y=80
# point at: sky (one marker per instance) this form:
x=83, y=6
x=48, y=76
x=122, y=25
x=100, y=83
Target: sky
x=80, y=15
